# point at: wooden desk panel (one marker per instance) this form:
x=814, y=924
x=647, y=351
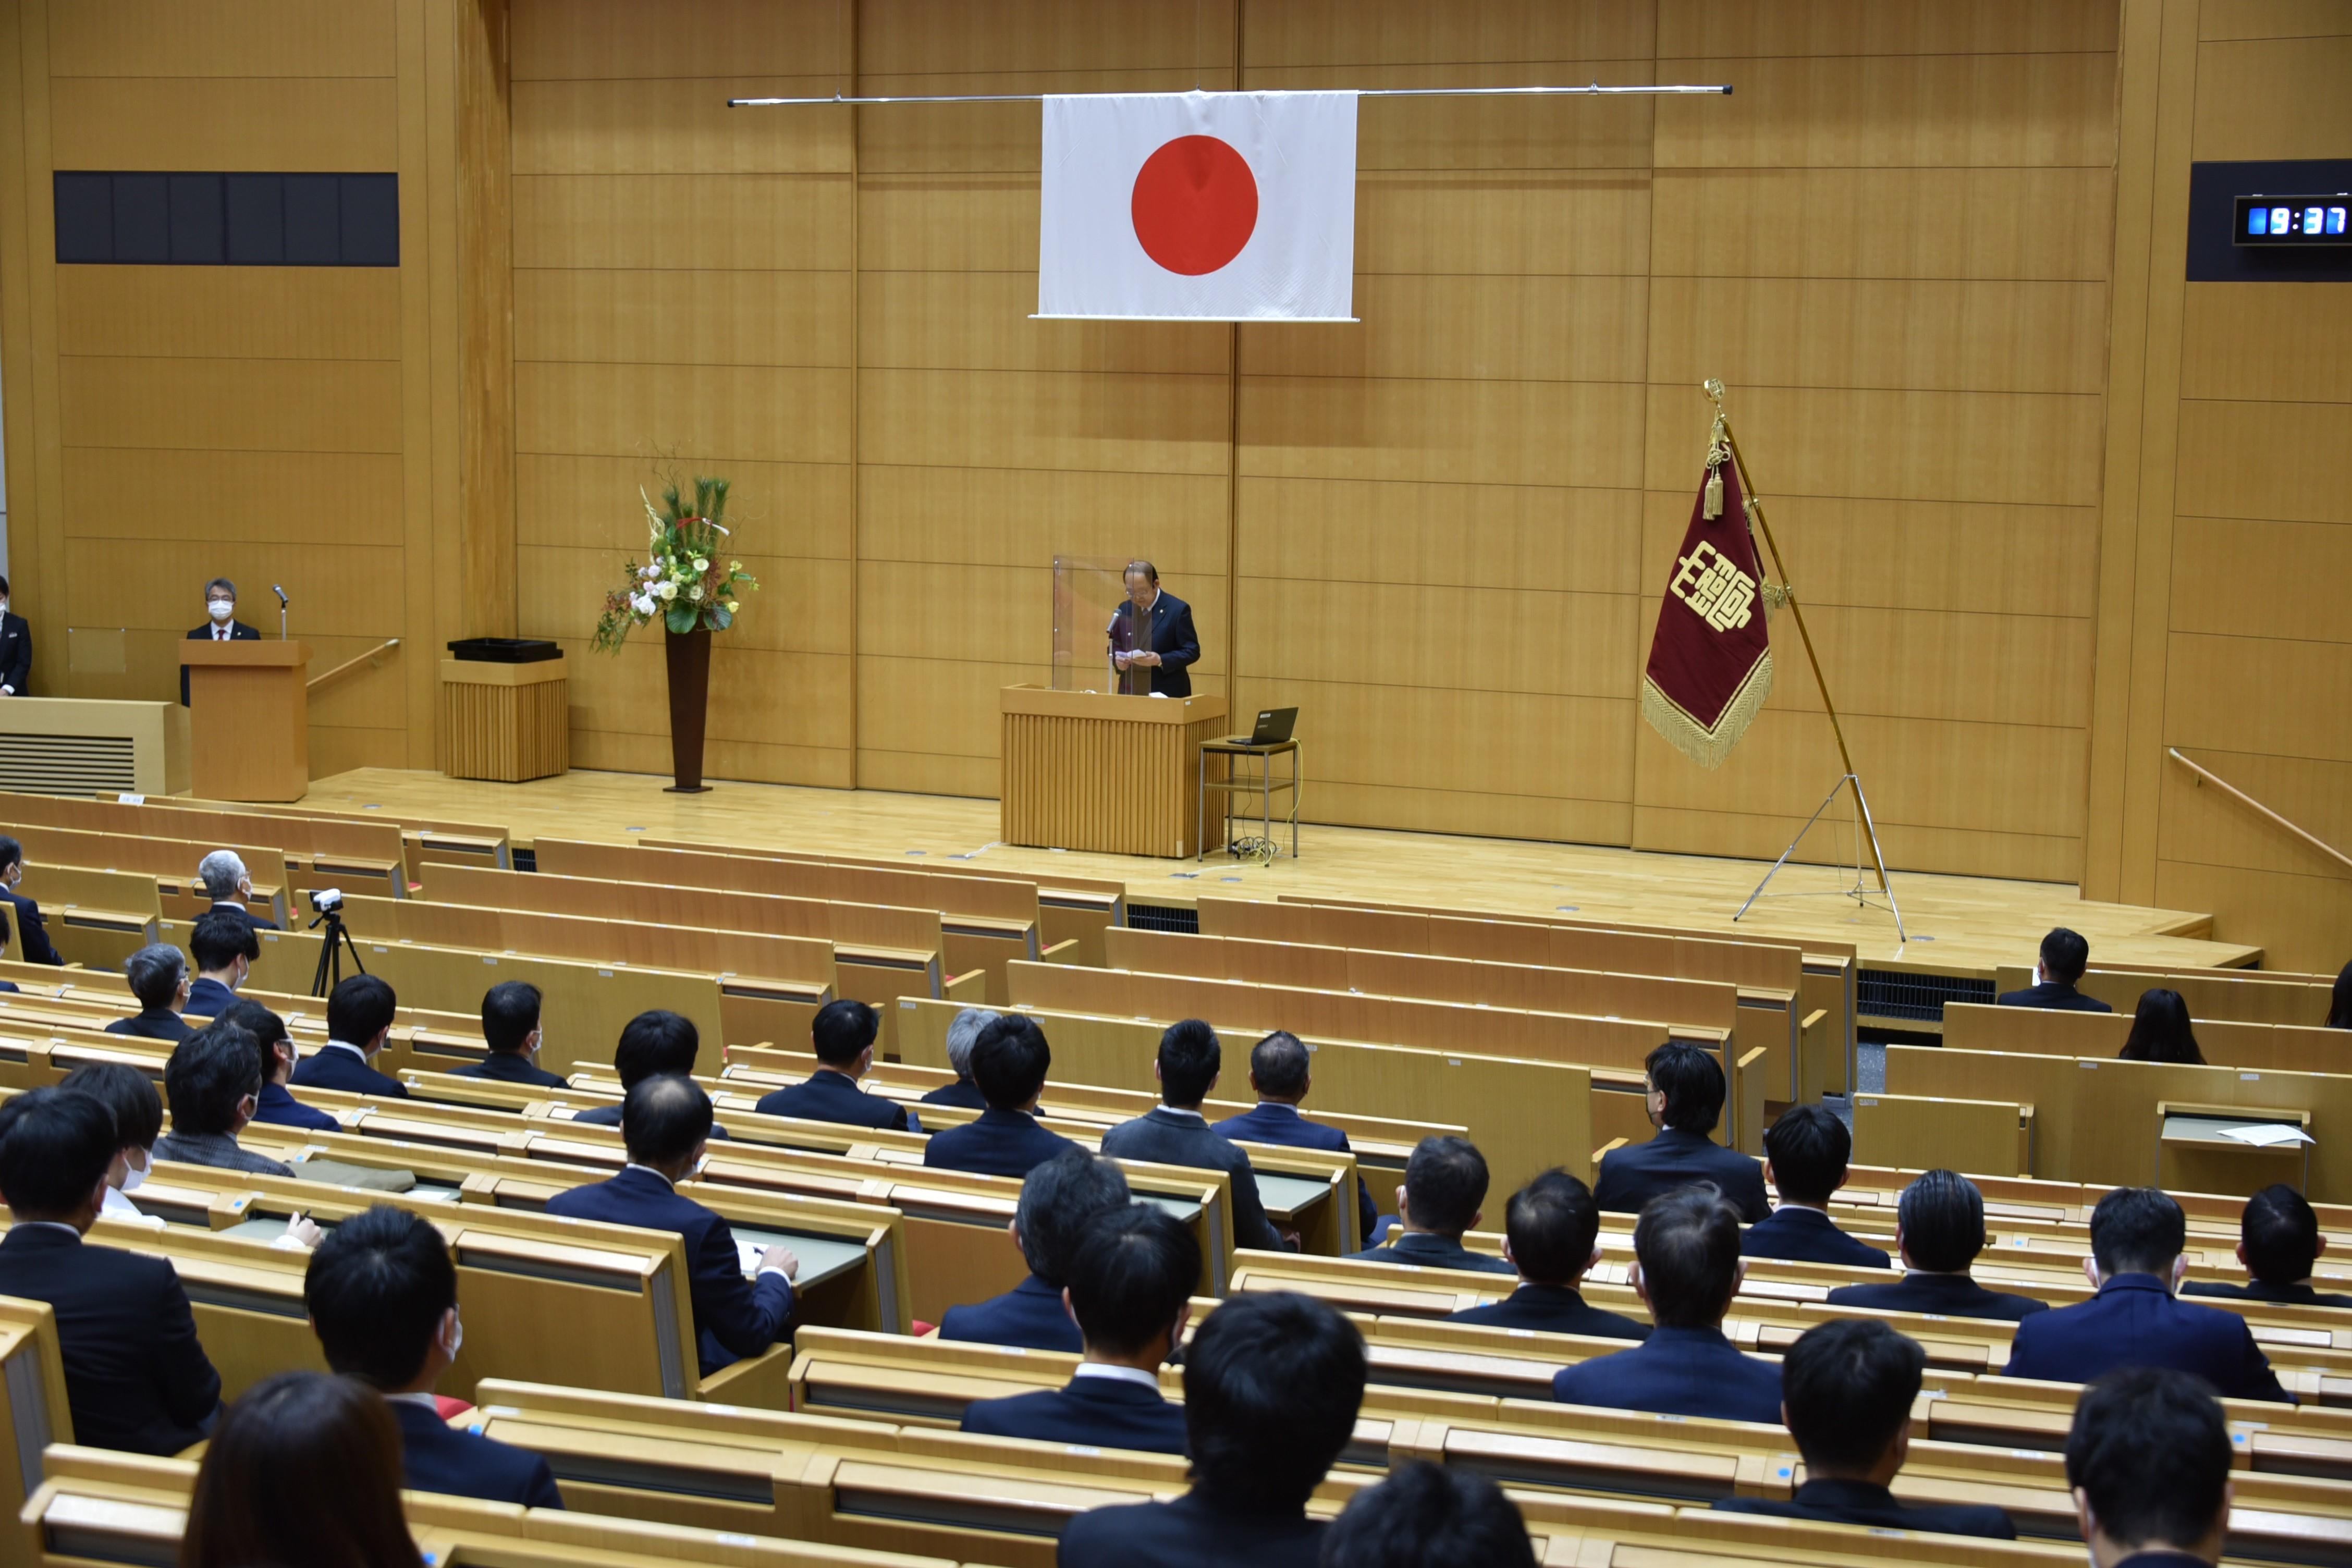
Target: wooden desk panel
x=249, y=720
x=506, y=722
x=1113, y=774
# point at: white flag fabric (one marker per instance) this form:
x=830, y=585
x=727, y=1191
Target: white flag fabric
x=1213, y=206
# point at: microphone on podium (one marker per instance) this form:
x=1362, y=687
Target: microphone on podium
x=279, y=590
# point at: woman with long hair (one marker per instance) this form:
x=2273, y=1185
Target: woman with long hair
x=2160, y=1031
x=305, y=1470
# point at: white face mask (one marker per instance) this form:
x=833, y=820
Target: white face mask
x=135, y=1175
x=220, y=609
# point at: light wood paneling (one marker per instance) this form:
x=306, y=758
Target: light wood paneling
x=2274, y=97
x=252, y=405
x=230, y=313
x=1026, y=517
x=648, y=411
x=1463, y=432
x=252, y=38
x=2252, y=577
x=1132, y=423
x=980, y=320
x=129, y=493
x=788, y=510
x=589, y=40
x=675, y=317
x=684, y=127
x=1832, y=27
x=341, y=125
x=692, y=223
x=2252, y=460
x=1522, y=639
x=1482, y=328
x=1441, y=535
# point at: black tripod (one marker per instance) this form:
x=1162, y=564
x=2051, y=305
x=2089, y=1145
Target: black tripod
x=329, y=973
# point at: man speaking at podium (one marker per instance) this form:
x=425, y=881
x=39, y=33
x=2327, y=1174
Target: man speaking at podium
x=1160, y=658
x=221, y=624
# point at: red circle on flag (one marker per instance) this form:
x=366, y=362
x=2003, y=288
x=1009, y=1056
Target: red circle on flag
x=1195, y=205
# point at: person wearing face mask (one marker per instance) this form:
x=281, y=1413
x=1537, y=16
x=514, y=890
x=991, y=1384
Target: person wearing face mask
x=214, y=1079
x=129, y=1095
x=32, y=932
x=16, y=649
x=382, y=1294
x=221, y=624
x=226, y=950
x=279, y=1056
x=510, y=1029
x=157, y=975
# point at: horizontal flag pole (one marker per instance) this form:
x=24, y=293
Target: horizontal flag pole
x=1594, y=90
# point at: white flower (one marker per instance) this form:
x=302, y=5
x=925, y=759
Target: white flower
x=734, y=566
x=733, y=607
x=701, y=565
x=650, y=573
x=695, y=592
x=667, y=591
x=643, y=604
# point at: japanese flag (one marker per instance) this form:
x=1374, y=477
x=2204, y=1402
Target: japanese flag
x=1218, y=207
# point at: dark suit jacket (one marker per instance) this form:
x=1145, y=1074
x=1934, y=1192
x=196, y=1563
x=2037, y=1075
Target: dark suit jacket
x=1093, y=1412
x=2135, y=1321
x=1273, y=1122
x=276, y=1106
x=237, y=632
x=1672, y=1160
x=1678, y=1372
x=831, y=1096
x=1807, y=1235
x=209, y=998
x=610, y=1116
x=1001, y=1143
x=1553, y=1309
x=329, y=1067
x=1029, y=1317
x=2255, y=1291
x=1945, y=1295
x=136, y=1378
x=16, y=654
x=1859, y=1502
x=2052, y=995
x=733, y=1317
x=258, y=922
x=153, y=1023
x=1192, y=1532
x=963, y=1094
x=512, y=1066
x=32, y=932
x=440, y=1459
x=1172, y=638
x=1423, y=1251
x=1168, y=1137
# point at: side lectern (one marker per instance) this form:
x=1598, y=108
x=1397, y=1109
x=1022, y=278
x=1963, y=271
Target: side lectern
x=249, y=720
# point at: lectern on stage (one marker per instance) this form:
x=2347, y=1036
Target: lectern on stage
x=249, y=720
x=1088, y=769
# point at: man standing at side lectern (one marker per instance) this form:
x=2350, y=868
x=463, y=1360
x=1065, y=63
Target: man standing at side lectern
x=1170, y=650
x=221, y=624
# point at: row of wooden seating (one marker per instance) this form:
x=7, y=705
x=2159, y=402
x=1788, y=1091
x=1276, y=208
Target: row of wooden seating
x=320, y=850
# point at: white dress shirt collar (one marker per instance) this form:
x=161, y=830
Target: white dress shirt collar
x=1117, y=1373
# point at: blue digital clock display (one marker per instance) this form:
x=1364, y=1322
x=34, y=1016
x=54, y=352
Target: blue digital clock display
x=2292, y=220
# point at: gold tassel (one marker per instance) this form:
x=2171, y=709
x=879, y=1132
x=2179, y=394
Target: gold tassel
x=1712, y=508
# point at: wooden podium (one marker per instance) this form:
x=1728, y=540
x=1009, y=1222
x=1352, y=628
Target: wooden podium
x=249, y=720
x=1083, y=770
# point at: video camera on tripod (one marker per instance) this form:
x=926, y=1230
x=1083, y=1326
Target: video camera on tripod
x=327, y=909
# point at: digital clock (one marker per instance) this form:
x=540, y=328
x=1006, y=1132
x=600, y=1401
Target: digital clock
x=2292, y=220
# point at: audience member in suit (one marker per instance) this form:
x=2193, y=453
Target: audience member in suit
x=655, y=1044
x=158, y=976
x=2136, y=1236
x=279, y=1057
x=16, y=649
x=1429, y=1516
x=964, y=1031
x=510, y=1029
x=2279, y=1243
x=225, y=950
x=1684, y=1099
x=1278, y=1076
x=2148, y=1461
x=1939, y=1229
x=2161, y=1030
x=2339, y=1000
x=1272, y=1384
x=136, y=1377
x=1009, y=1062
x=1059, y=1200
x=1445, y=1188
x=1846, y=1393
x=2064, y=956
x=1687, y=1268
x=666, y=1126
x=1805, y=1156
x=843, y=1033
x=24, y=914
x=221, y=624
x=223, y=874
x=214, y=1082
x=1552, y=1225
x=5, y=931
x=1174, y=1132
x=129, y=1096
x=383, y=1298
x=359, y=1021
x=1130, y=1290
x=304, y=1469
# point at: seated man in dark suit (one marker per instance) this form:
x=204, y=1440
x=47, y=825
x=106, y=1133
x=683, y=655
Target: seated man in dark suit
x=666, y=1123
x=1009, y=1062
x=279, y=1057
x=963, y=1031
x=1278, y=1075
x=1059, y=1200
x=24, y=914
x=1445, y=1188
x=1805, y=1157
x=1686, y=1266
x=2148, y=1461
x=1130, y=1290
x=1846, y=1392
x=225, y=883
x=7, y=933
x=158, y=976
x=2136, y=1235
x=1939, y=1229
x=1174, y=1132
x=383, y=1298
x=2064, y=956
x=1551, y=1224
x=1272, y=1385
x=843, y=1033
x=2279, y=1243
x=1685, y=1099
x=359, y=1021
x=136, y=1377
x=1430, y=1516
x=225, y=950
x=212, y=1082
x=656, y=1043
x=510, y=1029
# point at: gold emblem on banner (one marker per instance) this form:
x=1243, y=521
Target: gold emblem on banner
x=1714, y=586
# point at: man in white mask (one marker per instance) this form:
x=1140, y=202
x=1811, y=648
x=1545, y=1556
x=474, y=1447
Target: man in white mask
x=138, y=1112
x=16, y=649
x=221, y=624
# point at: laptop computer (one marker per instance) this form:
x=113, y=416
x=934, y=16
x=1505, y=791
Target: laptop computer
x=1272, y=728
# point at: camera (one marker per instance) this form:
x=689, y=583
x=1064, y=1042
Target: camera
x=327, y=900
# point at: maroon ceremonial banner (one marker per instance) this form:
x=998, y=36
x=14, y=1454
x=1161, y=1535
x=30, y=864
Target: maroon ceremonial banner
x=1711, y=661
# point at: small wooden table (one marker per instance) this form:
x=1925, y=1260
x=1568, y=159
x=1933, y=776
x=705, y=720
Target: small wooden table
x=1085, y=770
x=506, y=722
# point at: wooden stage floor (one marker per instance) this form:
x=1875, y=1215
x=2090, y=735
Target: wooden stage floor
x=1957, y=925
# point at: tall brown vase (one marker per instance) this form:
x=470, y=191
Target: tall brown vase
x=689, y=702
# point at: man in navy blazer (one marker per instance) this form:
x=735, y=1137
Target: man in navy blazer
x=1939, y=1229
x=1552, y=1224
x=2136, y=1236
x=275, y=1105
x=24, y=915
x=225, y=950
x=1009, y=1061
x=359, y=1021
x=1130, y=1290
x=1168, y=653
x=511, y=1029
x=2064, y=955
x=1687, y=1268
x=2279, y=1243
x=1278, y=1075
x=1174, y=1132
x=665, y=1124
x=1444, y=1186
x=157, y=975
x=2148, y=1461
x=221, y=624
x=1059, y=1200
x=1684, y=1098
x=843, y=1032
x=225, y=883
x=654, y=1043
x=963, y=1031
x=383, y=1298
x=1805, y=1157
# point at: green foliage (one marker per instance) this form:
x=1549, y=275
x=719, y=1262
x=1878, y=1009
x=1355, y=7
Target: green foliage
x=682, y=583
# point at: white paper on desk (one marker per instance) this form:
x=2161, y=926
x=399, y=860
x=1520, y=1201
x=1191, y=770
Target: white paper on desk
x=2266, y=1134
x=749, y=1252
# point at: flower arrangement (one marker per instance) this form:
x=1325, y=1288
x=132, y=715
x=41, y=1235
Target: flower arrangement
x=681, y=582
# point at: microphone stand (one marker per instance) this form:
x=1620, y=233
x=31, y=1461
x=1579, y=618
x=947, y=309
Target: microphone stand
x=281, y=610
